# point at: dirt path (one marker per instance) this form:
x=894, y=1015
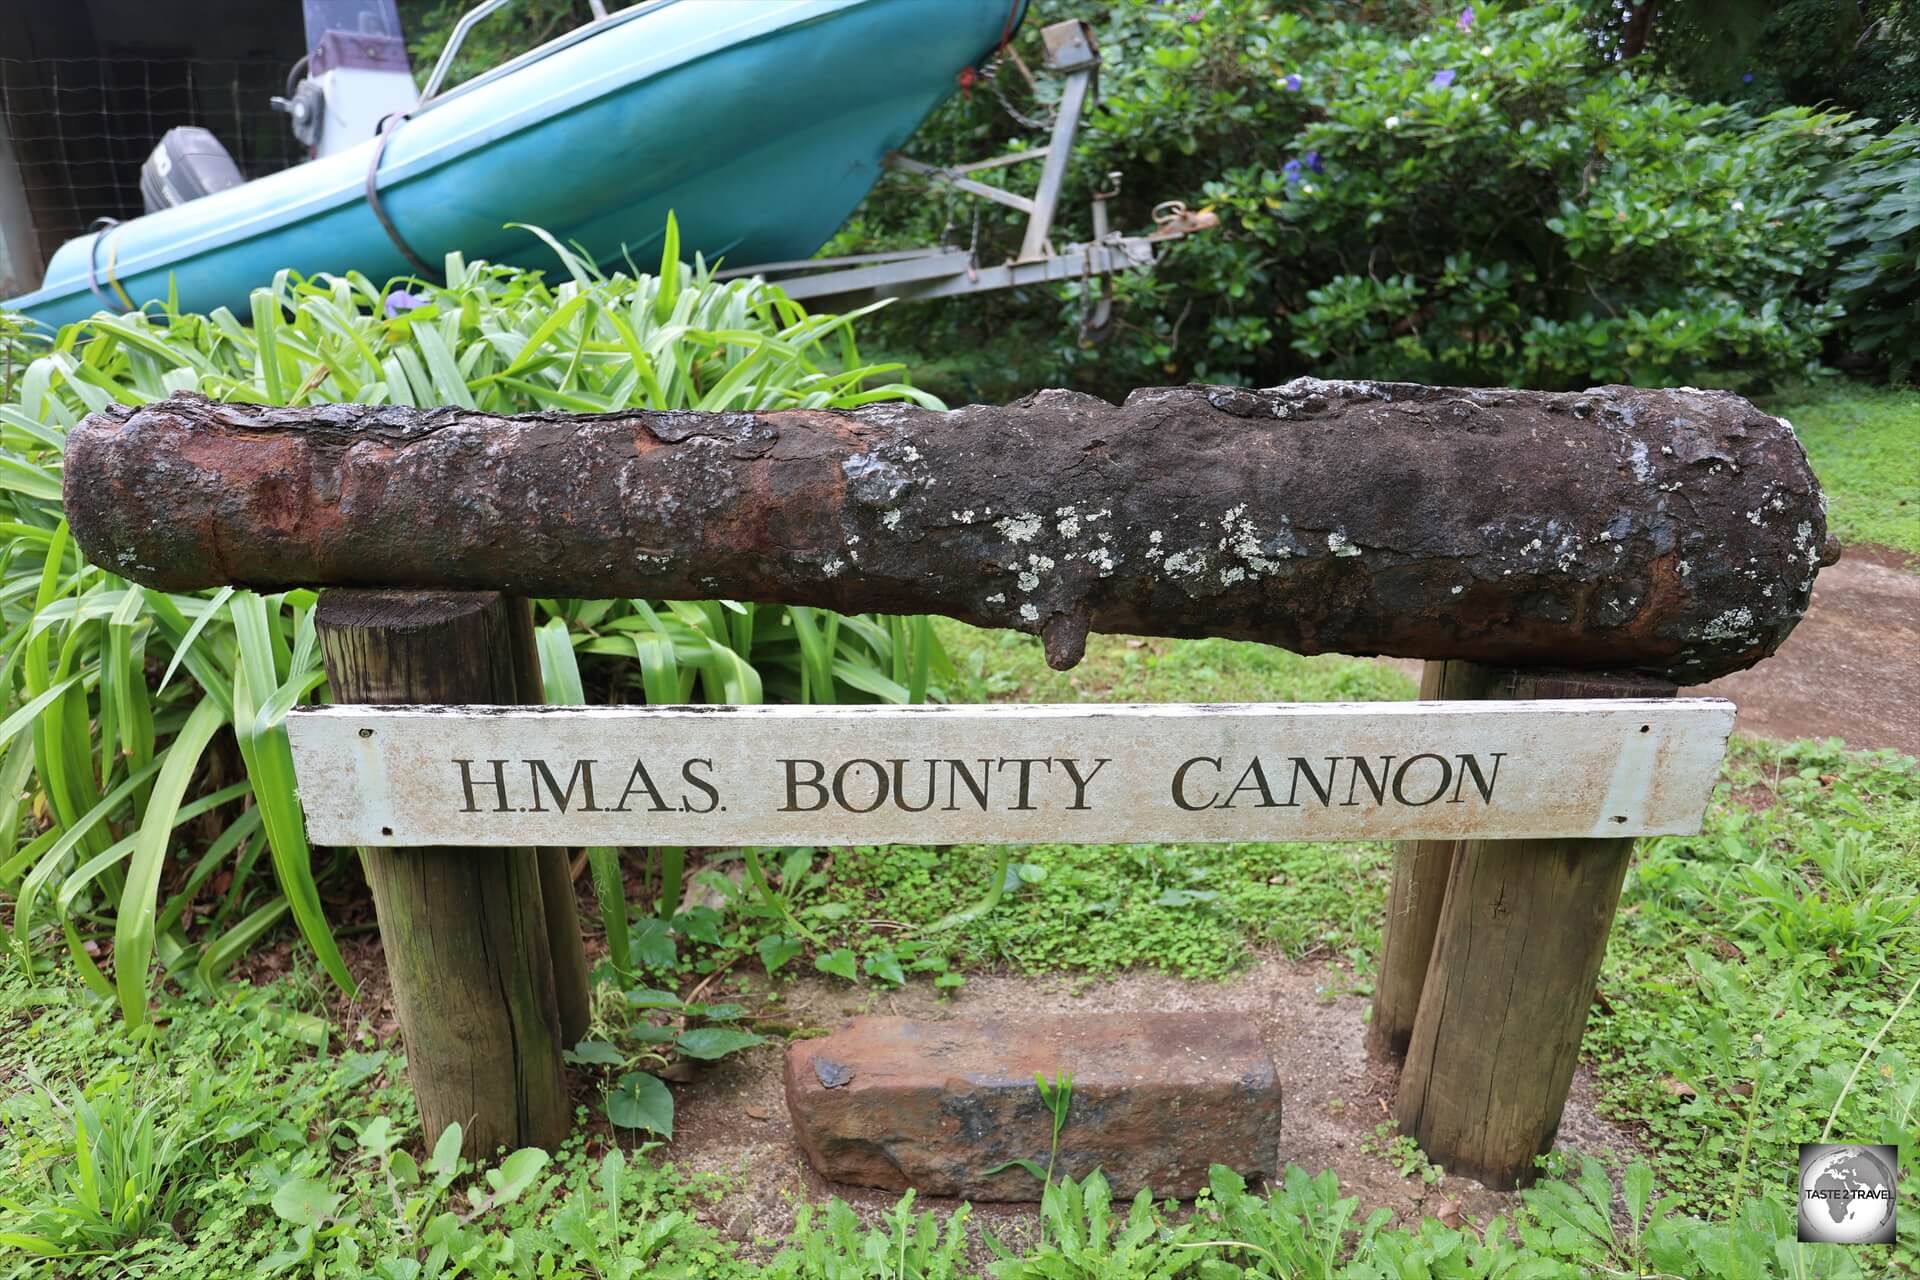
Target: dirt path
x=734, y=1119
x=1851, y=669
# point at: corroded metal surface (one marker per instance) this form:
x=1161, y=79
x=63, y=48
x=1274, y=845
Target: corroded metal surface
x=1668, y=531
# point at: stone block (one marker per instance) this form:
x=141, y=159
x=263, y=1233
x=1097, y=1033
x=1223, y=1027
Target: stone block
x=943, y=1107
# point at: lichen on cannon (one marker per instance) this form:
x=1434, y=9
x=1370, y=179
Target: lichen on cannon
x=1670, y=531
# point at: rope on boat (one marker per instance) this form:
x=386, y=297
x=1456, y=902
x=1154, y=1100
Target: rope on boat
x=103, y=226
x=389, y=127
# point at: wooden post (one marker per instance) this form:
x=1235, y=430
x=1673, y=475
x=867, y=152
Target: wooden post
x=556, y=875
x=464, y=930
x=1521, y=936
x=1420, y=870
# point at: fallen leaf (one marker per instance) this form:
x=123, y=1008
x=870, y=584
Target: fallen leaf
x=1679, y=1088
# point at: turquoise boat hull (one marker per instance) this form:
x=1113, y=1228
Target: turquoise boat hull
x=760, y=124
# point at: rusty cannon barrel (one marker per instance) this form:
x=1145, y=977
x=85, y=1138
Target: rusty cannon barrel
x=1675, y=532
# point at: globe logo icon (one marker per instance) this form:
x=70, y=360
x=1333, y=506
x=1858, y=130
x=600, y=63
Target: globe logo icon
x=1847, y=1193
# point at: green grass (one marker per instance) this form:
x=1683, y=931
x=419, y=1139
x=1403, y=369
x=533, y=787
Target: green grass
x=1865, y=446
x=1751, y=968
x=1005, y=666
x=1192, y=910
x=1752, y=999
x=1758, y=990
x=250, y=1139
x=294, y=1142
x=1752, y=983
x=1197, y=911
x=1755, y=967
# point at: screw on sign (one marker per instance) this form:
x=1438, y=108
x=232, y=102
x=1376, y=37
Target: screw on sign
x=1562, y=561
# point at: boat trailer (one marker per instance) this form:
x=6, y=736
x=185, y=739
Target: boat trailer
x=946, y=271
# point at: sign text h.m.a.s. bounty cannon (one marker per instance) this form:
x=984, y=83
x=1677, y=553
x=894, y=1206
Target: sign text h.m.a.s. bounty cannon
x=1561, y=561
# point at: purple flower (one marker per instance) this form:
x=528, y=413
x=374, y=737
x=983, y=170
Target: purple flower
x=400, y=301
x=1441, y=79
x=1747, y=78
x=1313, y=162
x=1293, y=83
x=1195, y=16
x=1291, y=171
x=1466, y=19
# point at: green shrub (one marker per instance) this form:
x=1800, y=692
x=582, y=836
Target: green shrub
x=1468, y=197
x=503, y=34
x=126, y=714
x=1876, y=207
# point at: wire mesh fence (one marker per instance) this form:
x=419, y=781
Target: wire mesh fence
x=80, y=128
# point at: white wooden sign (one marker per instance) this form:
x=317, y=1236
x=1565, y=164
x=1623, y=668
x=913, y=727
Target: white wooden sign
x=401, y=776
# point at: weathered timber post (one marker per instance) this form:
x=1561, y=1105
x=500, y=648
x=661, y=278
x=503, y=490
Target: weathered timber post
x=1521, y=936
x=564, y=942
x=464, y=930
x=1420, y=872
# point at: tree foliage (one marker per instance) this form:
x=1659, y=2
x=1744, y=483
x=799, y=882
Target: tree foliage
x=1468, y=195
x=1876, y=203
x=500, y=36
x=1861, y=56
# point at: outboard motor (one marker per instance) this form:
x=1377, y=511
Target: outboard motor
x=188, y=163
